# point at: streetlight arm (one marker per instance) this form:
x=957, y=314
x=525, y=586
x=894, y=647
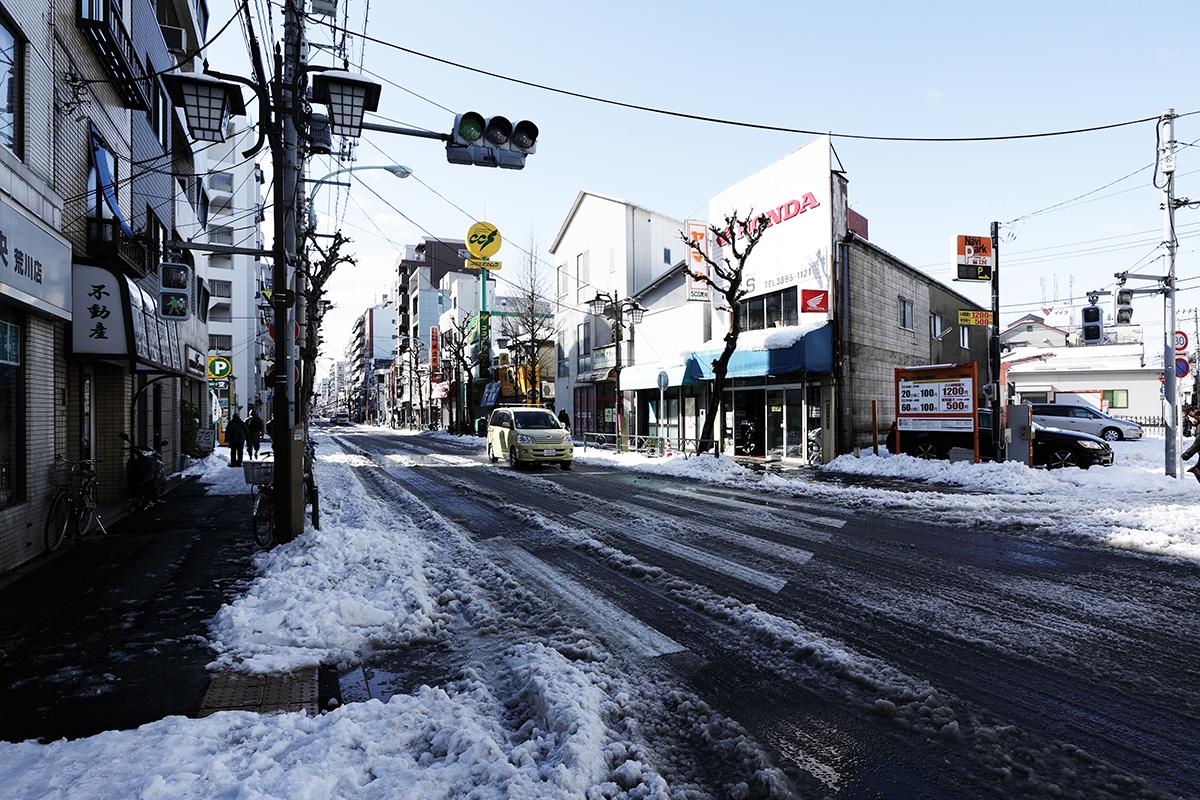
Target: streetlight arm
x=264, y=106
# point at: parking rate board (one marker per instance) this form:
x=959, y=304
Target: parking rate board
x=940, y=398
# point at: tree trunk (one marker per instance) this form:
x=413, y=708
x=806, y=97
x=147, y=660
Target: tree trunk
x=720, y=367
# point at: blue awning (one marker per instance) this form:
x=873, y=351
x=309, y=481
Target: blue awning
x=100, y=157
x=811, y=352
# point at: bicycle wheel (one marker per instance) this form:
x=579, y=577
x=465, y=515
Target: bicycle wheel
x=58, y=521
x=262, y=521
x=86, y=508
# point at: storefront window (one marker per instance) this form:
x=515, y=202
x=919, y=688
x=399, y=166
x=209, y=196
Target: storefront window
x=774, y=304
x=12, y=412
x=790, y=315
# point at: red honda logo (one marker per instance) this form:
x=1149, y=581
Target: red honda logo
x=814, y=300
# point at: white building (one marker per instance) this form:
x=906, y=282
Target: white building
x=1113, y=378
x=236, y=327
x=604, y=245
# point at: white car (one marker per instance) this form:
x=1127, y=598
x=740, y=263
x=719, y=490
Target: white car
x=1085, y=419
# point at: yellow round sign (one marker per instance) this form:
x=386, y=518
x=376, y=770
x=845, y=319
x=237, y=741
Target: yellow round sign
x=483, y=240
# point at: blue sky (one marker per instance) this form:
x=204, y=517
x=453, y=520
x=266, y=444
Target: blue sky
x=915, y=69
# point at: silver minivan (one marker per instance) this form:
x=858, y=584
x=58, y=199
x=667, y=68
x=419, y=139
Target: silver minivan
x=1085, y=419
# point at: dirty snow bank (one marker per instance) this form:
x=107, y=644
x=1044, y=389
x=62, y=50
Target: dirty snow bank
x=329, y=596
x=538, y=731
x=707, y=468
x=215, y=474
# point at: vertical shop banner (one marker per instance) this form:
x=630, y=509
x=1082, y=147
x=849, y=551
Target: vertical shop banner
x=98, y=323
x=435, y=364
x=697, y=234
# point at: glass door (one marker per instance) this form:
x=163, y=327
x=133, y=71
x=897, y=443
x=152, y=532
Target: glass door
x=794, y=413
x=775, y=423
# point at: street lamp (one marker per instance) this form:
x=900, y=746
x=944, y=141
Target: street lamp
x=608, y=305
x=348, y=95
x=206, y=100
x=398, y=170
x=207, y=103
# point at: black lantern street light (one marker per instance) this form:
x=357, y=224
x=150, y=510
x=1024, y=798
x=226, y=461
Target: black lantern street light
x=621, y=313
x=208, y=99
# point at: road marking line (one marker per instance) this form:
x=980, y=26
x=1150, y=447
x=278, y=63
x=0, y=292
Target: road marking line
x=786, y=510
x=772, y=583
x=797, y=532
x=603, y=616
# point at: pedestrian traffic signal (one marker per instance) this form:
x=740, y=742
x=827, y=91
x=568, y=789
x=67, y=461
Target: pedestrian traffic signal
x=1124, y=310
x=175, y=282
x=491, y=142
x=1093, y=324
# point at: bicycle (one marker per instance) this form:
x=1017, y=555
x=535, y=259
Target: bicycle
x=260, y=475
x=74, y=504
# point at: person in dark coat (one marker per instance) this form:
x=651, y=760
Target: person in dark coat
x=564, y=418
x=1192, y=413
x=235, y=437
x=254, y=432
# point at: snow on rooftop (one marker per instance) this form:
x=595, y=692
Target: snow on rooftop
x=766, y=339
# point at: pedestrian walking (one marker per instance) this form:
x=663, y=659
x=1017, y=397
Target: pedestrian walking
x=564, y=418
x=254, y=432
x=235, y=437
x=1192, y=413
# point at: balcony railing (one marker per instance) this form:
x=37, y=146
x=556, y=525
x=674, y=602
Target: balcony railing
x=100, y=21
x=106, y=240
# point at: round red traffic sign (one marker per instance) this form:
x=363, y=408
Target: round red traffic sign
x=1182, y=368
x=1181, y=341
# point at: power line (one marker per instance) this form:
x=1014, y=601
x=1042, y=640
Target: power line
x=740, y=123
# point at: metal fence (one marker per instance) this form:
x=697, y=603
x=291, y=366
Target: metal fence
x=652, y=446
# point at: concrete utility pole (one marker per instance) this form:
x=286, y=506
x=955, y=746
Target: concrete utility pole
x=289, y=511
x=1166, y=165
x=994, y=348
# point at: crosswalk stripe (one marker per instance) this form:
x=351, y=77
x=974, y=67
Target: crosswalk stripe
x=741, y=572
x=605, y=618
x=785, y=510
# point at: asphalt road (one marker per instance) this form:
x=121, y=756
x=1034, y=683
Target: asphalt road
x=869, y=655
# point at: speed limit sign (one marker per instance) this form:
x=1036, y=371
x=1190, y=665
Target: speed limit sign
x=1181, y=341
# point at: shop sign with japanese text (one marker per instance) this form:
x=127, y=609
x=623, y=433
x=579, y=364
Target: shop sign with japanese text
x=98, y=327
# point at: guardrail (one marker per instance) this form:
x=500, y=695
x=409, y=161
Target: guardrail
x=651, y=446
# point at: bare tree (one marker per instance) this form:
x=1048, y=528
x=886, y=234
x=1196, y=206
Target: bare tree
x=318, y=271
x=531, y=324
x=725, y=276
x=457, y=345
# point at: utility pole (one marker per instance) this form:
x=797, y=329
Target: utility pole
x=1166, y=164
x=994, y=351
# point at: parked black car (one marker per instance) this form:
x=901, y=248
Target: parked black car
x=1052, y=448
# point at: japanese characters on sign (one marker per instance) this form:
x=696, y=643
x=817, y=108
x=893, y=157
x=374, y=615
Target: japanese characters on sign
x=99, y=323
x=434, y=354
x=967, y=317
x=697, y=234
x=936, y=398
x=35, y=263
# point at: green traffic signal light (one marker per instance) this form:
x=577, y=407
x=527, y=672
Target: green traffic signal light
x=470, y=126
x=174, y=305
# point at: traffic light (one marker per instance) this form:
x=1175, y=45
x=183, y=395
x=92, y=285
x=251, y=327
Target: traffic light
x=491, y=142
x=1093, y=324
x=1124, y=310
x=175, y=281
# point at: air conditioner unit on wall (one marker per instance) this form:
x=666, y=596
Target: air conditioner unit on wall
x=176, y=42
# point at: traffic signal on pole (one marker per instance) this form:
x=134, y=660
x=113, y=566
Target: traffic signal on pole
x=1124, y=310
x=1093, y=324
x=175, y=282
x=491, y=142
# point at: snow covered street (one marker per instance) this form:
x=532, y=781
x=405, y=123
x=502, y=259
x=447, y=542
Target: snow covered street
x=687, y=629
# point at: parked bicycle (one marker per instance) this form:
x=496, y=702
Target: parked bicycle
x=73, y=507
x=260, y=475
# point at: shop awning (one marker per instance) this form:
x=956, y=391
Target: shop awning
x=645, y=376
x=774, y=352
x=595, y=376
